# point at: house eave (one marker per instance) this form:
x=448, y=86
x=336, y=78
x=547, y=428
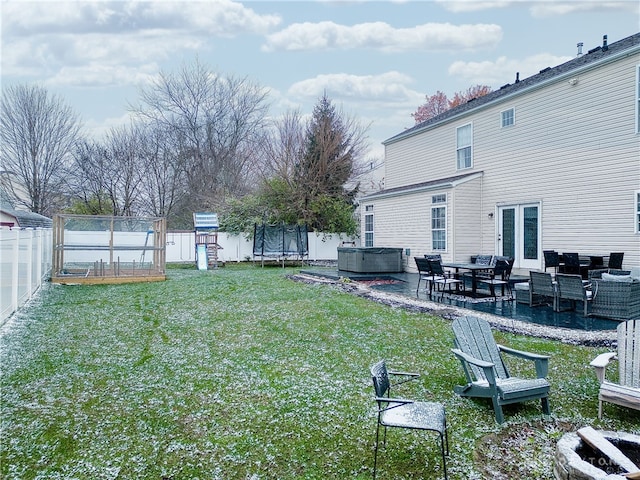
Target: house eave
x=441, y=184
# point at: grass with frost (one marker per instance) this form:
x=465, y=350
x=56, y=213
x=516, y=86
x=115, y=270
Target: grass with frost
x=241, y=373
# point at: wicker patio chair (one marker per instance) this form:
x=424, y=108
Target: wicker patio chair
x=542, y=289
x=616, y=300
x=572, y=288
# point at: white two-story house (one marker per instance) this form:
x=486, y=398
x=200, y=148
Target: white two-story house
x=550, y=162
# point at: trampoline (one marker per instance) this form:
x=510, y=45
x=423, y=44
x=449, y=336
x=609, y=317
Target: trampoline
x=280, y=242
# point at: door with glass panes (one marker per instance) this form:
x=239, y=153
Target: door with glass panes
x=519, y=234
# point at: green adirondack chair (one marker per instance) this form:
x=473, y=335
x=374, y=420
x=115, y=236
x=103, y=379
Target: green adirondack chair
x=486, y=373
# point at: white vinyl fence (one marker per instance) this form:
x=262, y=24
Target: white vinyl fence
x=236, y=248
x=25, y=261
x=26, y=254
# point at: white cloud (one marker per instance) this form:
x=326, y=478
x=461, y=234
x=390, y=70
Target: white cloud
x=463, y=6
x=382, y=36
x=542, y=8
x=214, y=17
x=387, y=89
x=102, y=75
x=52, y=56
x=98, y=129
x=550, y=9
x=503, y=70
x=55, y=38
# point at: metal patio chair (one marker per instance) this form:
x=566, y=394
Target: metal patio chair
x=499, y=276
x=551, y=260
x=486, y=373
x=571, y=263
x=424, y=273
x=445, y=278
x=403, y=413
x=615, y=260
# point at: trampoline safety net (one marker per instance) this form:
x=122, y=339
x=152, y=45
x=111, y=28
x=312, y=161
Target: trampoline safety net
x=280, y=241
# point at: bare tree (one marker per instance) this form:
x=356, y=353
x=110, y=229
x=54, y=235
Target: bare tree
x=124, y=166
x=218, y=124
x=86, y=181
x=284, y=146
x=163, y=173
x=38, y=133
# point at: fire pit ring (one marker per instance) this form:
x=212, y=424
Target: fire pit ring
x=570, y=465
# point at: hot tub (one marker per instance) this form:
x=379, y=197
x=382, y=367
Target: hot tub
x=370, y=259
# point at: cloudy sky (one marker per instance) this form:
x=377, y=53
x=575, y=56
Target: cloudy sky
x=375, y=59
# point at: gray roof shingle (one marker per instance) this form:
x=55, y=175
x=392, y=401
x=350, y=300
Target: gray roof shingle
x=592, y=56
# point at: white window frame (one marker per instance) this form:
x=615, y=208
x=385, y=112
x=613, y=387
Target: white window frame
x=368, y=222
x=510, y=114
x=464, y=148
x=439, y=212
x=638, y=99
x=636, y=209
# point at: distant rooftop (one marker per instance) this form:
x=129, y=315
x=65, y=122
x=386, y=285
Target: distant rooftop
x=23, y=219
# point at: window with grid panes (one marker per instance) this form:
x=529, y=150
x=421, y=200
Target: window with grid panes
x=368, y=226
x=439, y=222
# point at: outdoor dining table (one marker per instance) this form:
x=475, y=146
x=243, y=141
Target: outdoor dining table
x=474, y=268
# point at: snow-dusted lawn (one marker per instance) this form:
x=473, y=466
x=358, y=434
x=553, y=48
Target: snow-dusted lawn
x=241, y=373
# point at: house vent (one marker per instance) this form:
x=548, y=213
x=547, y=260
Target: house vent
x=580, y=45
x=605, y=45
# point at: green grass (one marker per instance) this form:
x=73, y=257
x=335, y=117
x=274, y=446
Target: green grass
x=242, y=373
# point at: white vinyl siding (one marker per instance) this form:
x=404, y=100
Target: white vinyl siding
x=637, y=208
x=557, y=157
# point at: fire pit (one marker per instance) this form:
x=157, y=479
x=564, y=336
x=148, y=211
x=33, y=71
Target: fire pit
x=575, y=460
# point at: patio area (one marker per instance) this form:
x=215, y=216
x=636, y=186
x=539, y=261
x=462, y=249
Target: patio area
x=405, y=284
